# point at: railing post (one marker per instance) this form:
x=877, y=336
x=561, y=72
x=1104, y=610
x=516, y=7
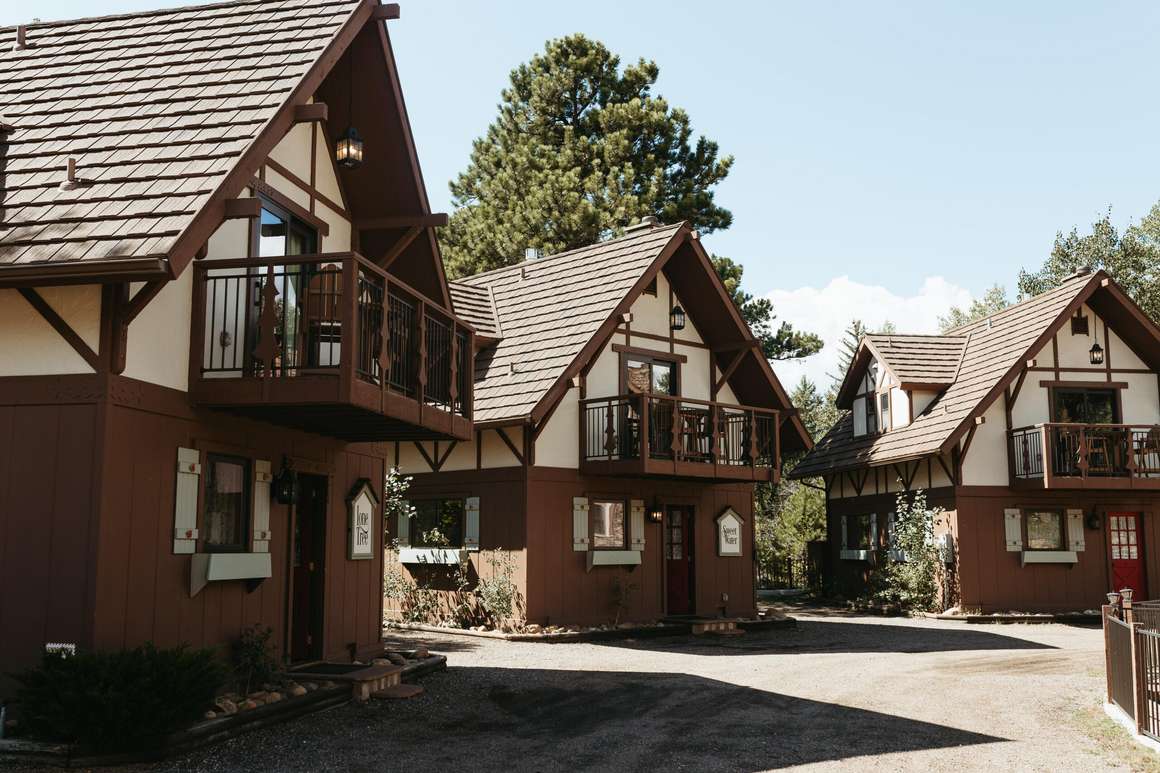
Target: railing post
x=453, y=388
x=1082, y=453
x=1107, y=610
x=776, y=461
x=1048, y=459
x=675, y=443
x=348, y=324
x=1139, y=676
x=644, y=442
x=753, y=449
x=715, y=434
x=421, y=376
x=385, y=339
x=609, y=429
x=267, y=349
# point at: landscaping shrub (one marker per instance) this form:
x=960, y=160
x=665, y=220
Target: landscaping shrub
x=907, y=575
x=118, y=701
x=254, y=661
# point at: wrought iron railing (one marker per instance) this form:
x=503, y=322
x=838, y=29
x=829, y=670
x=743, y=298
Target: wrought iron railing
x=1085, y=451
x=660, y=427
x=289, y=316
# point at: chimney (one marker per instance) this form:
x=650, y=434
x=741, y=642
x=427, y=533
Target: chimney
x=21, y=35
x=646, y=222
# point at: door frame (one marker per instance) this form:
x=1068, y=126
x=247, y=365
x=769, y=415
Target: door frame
x=688, y=530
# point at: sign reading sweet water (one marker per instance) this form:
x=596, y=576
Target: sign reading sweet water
x=361, y=506
x=729, y=533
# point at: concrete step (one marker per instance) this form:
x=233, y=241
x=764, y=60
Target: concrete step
x=398, y=692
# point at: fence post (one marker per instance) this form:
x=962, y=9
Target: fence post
x=1106, y=611
x=1139, y=675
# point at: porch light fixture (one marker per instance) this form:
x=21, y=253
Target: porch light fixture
x=677, y=318
x=348, y=149
x=1096, y=354
x=285, y=484
x=656, y=513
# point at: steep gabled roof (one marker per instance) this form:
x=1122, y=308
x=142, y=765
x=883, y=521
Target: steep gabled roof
x=549, y=309
x=157, y=109
x=995, y=351
x=916, y=361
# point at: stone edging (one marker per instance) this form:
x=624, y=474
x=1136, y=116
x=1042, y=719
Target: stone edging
x=612, y=634
x=1032, y=619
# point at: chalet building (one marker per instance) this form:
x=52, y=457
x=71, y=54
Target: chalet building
x=221, y=301
x=1037, y=429
x=623, y=414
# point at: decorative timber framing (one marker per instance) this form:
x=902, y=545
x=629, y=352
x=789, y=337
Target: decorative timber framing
x=62, y=327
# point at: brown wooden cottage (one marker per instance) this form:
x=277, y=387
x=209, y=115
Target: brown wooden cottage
x=623, y=414
x=1037, y=429
x=221, y=299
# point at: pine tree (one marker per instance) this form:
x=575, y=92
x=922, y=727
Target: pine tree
x=782, y=343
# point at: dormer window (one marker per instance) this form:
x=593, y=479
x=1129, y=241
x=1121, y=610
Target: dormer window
x=865, y=404
x=884, y=411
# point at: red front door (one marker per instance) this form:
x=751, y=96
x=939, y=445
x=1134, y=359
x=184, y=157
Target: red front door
x=1126, y=536
x=679, y=559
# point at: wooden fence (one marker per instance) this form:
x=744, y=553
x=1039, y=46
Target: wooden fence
x=793, y=572
x=1132, y=653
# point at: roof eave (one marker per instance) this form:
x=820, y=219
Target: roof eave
x=85, y=272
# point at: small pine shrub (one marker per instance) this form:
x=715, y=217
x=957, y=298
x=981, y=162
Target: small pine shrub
x=118, y=701
x=254, y=661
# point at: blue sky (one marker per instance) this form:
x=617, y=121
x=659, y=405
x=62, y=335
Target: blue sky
x=920, y=150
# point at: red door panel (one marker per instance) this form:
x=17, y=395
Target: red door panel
x=1126, y=535
x=679, y=560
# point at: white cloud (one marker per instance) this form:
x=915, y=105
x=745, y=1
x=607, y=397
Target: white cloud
x=828, y=312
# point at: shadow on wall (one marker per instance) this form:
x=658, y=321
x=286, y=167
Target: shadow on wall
x=512, y=719
x=824, y=636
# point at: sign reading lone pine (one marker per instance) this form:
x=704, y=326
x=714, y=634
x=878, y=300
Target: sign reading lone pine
x=729, y=533
x=361, y=506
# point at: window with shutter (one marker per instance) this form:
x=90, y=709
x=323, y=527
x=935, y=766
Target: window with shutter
x=637, y=524
x=1013, y=528
x=185, y=532
x=580, y=523
x=471, y=530
x=1075, y=536
x=403, y=526
x=262, y=480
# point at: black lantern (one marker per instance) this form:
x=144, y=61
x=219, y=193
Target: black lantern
x=285, y=484
x=348, y=150
x=677, y=318
x=1096, y=354
x=656, y=513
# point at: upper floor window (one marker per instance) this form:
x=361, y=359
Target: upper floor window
x=652, y=375
x=1085, y=406
x=227, y=503
x=884, y=411
x=281, y=234
x=866, y=405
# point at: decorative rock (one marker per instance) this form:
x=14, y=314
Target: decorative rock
x=247, y=705
x=225, y=706
x=258, y=697
x=534, y=628
x=327, y=684
x=397, y=659
x=210, y=715
x=297, y=691
x=310, y=686
x=273, y=697
x=422, y=653
x=380, y=662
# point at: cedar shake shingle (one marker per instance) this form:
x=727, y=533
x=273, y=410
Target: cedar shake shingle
x=155, y=107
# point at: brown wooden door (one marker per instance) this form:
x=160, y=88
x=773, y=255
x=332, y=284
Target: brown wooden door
x=679, y=560
x=309, y=570
x=1126, y=535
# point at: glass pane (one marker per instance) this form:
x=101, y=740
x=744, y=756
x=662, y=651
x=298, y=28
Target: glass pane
x=1084, y=406
x=639, y=377
x=1115, y=551
x=1115, y=538
x=664, y=378
x=272, y=235
x=1132, y=552
x=1044, y=531
x=225, y=503
x=437, y=523
x=608, y=525
x=1130, y=522
x=1131, y=538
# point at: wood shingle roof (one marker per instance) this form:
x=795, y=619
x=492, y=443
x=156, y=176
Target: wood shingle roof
x=548, y=310
x=992, y=348
x=155, y=108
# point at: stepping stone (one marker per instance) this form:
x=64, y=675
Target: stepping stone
x=398, y=692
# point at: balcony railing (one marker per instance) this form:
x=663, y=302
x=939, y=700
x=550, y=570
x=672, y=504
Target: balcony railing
x=658, y=434
x=1091, y=455
x=334, y=320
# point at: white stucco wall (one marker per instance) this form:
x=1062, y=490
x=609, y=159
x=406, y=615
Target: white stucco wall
x=158, y=347
x=29, y=346
x=986, y=460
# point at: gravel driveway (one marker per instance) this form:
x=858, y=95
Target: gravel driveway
x=839, y=692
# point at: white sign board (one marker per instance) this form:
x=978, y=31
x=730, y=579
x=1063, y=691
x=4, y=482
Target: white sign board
x=361, y=506
x=729, y=533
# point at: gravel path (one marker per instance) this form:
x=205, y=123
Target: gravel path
x=839, y=692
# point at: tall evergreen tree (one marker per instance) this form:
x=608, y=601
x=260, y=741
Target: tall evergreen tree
x=580, y=149
x=994, y=300
x=780, y=343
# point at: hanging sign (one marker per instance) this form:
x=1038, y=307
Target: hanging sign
x=729, y=533
x=361, y=505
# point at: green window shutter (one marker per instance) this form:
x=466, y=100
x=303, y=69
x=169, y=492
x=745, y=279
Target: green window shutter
x=580, y=523
x=637, y=524
x=403, y=528
x=1013, y=529
x=1075, y=530
x=185, y=504
x=261, y=513
x=471, y=531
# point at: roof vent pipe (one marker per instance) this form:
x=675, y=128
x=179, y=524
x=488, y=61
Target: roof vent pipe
x=532, y=253
x=648, y=221
x=21, y=36
x=70, y=183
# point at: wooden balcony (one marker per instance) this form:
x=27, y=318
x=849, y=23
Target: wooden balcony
x=330, y=344
x=1096, y=456
x=679, y=437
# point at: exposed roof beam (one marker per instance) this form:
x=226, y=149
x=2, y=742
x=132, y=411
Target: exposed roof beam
x=397, y=248
x=244, y=208
x=401, y=221
x=386, y=12
x=310, y=113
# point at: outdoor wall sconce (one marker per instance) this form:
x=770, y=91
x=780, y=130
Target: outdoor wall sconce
x=656, y=513
x=677, y=318
x=1096, y=354
x=285, y=484
x=348, y=151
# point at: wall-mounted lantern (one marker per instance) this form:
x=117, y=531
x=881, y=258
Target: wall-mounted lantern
x=285, y=484
x=677, y=318
x=348, y=150
x=656, y=513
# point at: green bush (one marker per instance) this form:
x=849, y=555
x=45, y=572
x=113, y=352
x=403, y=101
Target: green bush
x=118, y=701
x=254, y=661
